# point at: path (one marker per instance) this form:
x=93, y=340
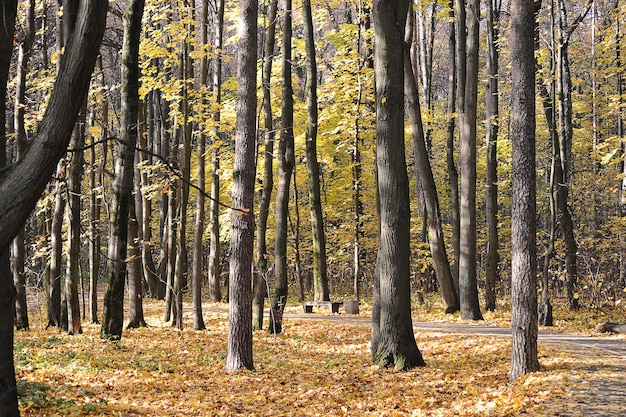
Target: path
x=599, y=391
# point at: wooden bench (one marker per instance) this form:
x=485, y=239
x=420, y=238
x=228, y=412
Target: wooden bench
x=334, y=305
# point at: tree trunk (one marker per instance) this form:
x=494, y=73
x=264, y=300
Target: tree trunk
x=134, y=270
x=21, y=187
x=8, y=390
x=24, y=53
x=215, y=290
x=242, y=220
x=72, y=277
x=468, y=285
x=523, y=245
x=53, y=287
x=285, y=168
x=425, y=175
x=393, y=341
x=261, y=274
x=113, y=315
x=493, y=122
x=453, y=176
x=320, y=277
x=295, y=233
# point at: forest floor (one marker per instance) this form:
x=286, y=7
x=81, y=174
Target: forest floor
x=319, y=366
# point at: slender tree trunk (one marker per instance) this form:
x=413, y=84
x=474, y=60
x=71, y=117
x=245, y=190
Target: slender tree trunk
x=320, y=277
x=493, y=122
x=113, y=315
x=134, y=270
x=453, y=176
x=215, y=290
x=468, y=285
x=56, y=251
x=74, y=325
x=24, y=53
x=196, y=273
x=261, y=274
x=393, y=341
x=425, y=175
x=523, y=251
x=285, y=168
x=242, y=220
x=295, y=233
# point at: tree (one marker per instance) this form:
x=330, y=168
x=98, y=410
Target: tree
x=242, y=220
x=492, y=103
x=260, y=278
x=286, y=161
x=113, y=314
x=320, y=277
x=25, y=42
x=21, y=186
x=392, y=341
x=523, y=246
x=468, y=285
x=429, y=190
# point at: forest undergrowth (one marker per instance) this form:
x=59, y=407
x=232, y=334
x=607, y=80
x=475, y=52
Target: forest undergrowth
x=314, y=368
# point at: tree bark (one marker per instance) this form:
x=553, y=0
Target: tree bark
x=523, y=231
x=21, y=186
x=134, y=270
x=320, y=277
x=242, y=219
x=468, y=285
x=261, y=274
x=215, y=290
x=18, y=252
x=113, y=314
x=285, y=168
x=453, y=176
x=393, y=341
x=493, y=124
x=429, y=189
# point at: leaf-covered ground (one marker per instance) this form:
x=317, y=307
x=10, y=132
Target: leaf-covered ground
x=315, y=368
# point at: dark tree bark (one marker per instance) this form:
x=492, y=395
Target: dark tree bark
x=242, y=220
x=134, y=270
x=492, y=106
x=285, y=168
x=24, y=52
x=21, y=186
x=8, y=390
x=523, y=250
x=429, y=189
x=261, y=273
x=113, y=315
x=320, y=277
x=393, y=341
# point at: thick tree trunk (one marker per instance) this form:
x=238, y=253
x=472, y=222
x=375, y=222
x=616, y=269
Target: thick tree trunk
x=242, y=220
x=113, y=315
x=8, y=390
x=285, y=168
x=21, y=187
x=393, y=341
x=523, y=251
x=320, y=277
x=468, y=285
x=261, y=273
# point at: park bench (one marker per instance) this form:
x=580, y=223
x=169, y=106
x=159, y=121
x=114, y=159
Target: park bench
x=334, y=305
